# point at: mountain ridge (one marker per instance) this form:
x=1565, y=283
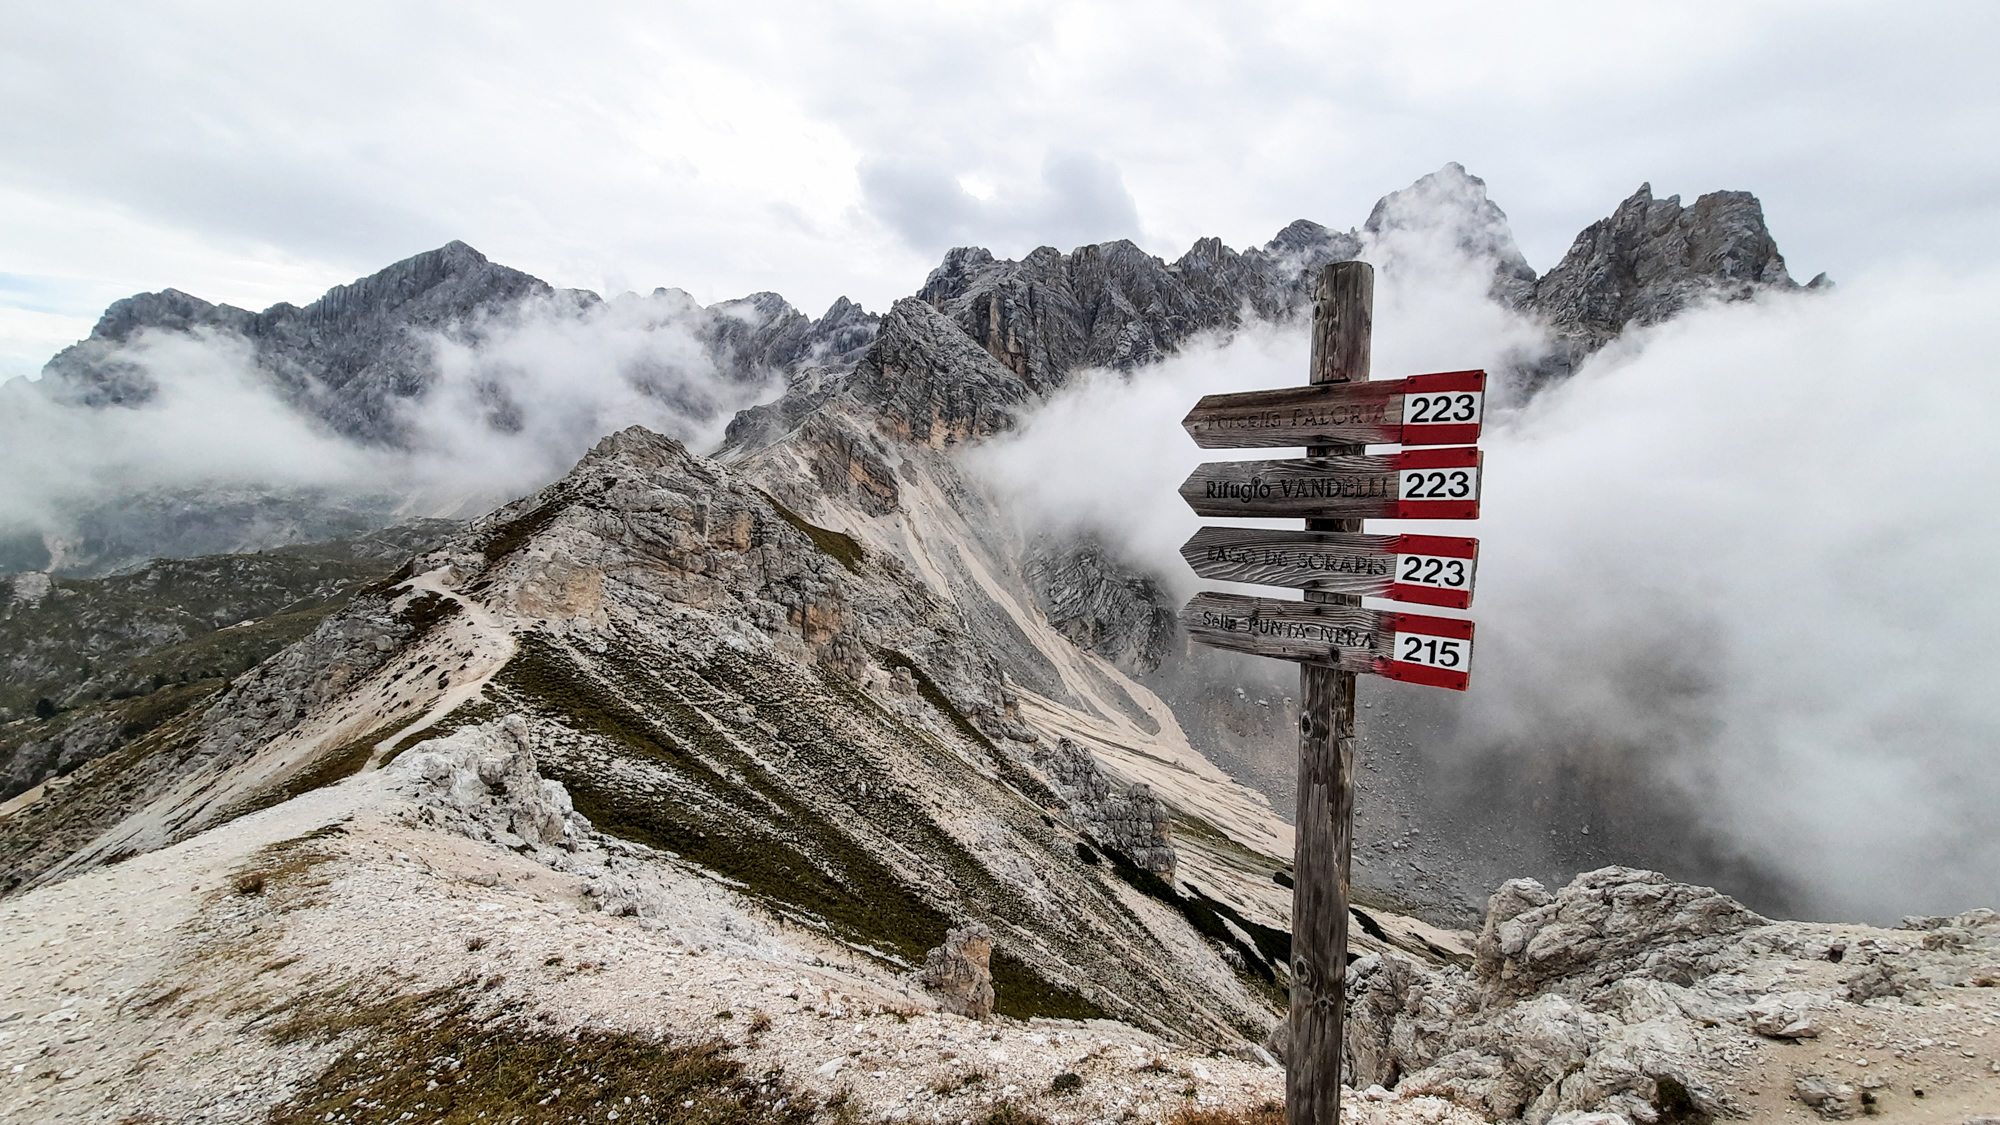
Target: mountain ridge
x=862, y=447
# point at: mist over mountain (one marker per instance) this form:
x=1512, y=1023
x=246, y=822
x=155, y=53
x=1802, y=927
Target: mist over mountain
x=440, y=386
x=850, y=645
x=445, y=383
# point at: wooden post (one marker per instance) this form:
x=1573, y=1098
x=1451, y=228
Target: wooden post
x=1343, y=308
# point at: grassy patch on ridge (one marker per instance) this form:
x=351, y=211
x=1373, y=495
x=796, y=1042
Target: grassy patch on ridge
x=726, y=811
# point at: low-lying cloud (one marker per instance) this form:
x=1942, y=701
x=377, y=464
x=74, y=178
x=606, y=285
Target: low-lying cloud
x=1747, y=550
x=512, y=403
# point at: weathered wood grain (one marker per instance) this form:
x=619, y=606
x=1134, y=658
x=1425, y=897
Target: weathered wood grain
x=1336, y=563
x=1339, y=636
x=1343, y=341
x=1357, y=413
x=1343, y=487
x=1363, y=565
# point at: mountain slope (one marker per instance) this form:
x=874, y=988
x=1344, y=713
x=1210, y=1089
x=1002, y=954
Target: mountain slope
x=825, y=665
x=710, y=674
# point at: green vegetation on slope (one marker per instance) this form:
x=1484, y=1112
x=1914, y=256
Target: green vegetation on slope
x=39, y=836
x=509, y=537
x=723, y=808
x=838, y=544
x=436, y=1057
x=176, y=621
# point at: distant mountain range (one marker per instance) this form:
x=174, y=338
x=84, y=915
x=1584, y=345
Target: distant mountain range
x=359, y=359
x=348, y=356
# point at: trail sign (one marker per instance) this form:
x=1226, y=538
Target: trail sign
x=1441, y=409
x=1439, y=484
x=1402, y=646
x=1428, y=569
x=1335, y=487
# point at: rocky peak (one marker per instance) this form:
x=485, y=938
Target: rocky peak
x=434, y=288
x=955, y=275
x=89, y=373
x=1652, y=258
x=931, y=384
x=169, y=308
x=1451, y=203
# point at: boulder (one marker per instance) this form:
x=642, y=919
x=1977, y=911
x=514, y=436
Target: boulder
x=959, y=972
x=1830, y=1098
x=481, y=782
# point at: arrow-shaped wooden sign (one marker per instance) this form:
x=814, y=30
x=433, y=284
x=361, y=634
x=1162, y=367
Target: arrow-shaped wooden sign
x=1429, y=569
x=1402, y=646
x=1441, y=409
x=1436, y=484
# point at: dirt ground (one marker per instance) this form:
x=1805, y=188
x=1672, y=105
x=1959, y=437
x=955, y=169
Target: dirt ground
x=158, y=989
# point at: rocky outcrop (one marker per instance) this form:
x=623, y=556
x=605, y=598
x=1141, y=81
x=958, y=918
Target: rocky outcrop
x=929, y=384
x=1100, y=603
x=1606, y=925
x=481, y=782
x=959, y=972
x=1126, y=817
x=1653, y=258
x=1626, y=992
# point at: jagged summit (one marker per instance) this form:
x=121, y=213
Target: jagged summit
x=1114, y=305
x=1652, y=257
x=349, y=358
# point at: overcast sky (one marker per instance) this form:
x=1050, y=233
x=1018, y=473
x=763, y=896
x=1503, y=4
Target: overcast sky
x=253, y=153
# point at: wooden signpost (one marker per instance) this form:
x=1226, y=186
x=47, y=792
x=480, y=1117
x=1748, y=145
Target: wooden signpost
x=1402, y=646
x=1423, y=484
x=1428, y=569
x=1441, y=409
x=1335, y=486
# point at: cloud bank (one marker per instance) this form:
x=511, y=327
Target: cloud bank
x=1746, y=550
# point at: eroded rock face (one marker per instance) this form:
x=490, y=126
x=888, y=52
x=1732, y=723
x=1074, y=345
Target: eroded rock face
x=1627, y=993
x=1113, y=305
x=959, y=972
x=1652, y=258
x=1100, y=603
x=1128, y=818
x=932, y=385
x=1606, y=925
x=1575, y=1003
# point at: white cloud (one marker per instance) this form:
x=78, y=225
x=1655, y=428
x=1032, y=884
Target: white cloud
x=504, y=416
x=1749, y=546
x=28, y=338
